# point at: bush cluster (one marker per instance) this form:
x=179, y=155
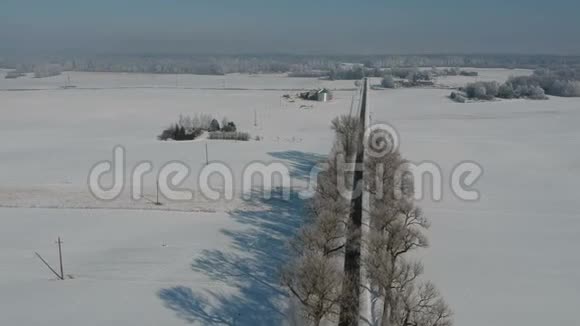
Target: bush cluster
x=188, y=128
x=564, y=82
x=469, y=73
x=482, y=90
x=458, y=97
x=177, y=132
x=226, y=135
x=411, y=74
x=408, y=77
x=514, y=88
x=508, y=91
x=453, y=72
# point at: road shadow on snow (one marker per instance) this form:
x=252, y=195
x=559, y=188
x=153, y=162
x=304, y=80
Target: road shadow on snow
x=252, y=268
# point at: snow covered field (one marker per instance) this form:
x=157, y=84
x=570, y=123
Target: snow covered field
x=511, y=258
x=133, y=262
x=508, y=259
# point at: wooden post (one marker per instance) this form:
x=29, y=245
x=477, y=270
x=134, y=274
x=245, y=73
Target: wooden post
x=60, y=258
x=206, y=155
x=255, y=118
x=157, y=193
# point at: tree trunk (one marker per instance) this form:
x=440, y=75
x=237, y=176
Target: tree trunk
x=386, y=319
x=317, y=321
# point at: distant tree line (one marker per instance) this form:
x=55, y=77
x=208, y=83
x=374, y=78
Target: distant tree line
x=411, y=77
x=560, y=82
x=295, y=65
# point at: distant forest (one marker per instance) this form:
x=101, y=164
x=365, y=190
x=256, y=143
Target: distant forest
x=296, y=65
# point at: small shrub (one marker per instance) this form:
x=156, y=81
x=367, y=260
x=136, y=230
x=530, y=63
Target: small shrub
x=229, y=127
x=167, y=134
x=221, y=135
x=469, y=73
x=458, y=97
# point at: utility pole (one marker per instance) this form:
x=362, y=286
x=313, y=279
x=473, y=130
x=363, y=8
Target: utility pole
x=206, y=155
x=255, y=118
x=157, y=202
x=60, y=258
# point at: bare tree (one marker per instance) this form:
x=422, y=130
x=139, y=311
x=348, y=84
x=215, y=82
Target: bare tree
x=397, y=228
x=315, y=278
x=316, y=281
x=325, y=235
x=423, y=306
x=347, y=130
x=395, y=234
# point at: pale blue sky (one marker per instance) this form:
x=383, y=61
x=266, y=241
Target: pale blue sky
x=298, y=26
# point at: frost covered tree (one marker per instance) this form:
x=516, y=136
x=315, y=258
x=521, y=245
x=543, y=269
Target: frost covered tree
x=47, y=70
x=397, y=229
x=566, y=88
x=315, y=277
x=315, y=281
x=506, y=91
x=388, y=82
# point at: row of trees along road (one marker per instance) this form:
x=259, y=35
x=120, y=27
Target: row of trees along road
x=320, y=278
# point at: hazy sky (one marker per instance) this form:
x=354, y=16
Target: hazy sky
x=292, y=26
